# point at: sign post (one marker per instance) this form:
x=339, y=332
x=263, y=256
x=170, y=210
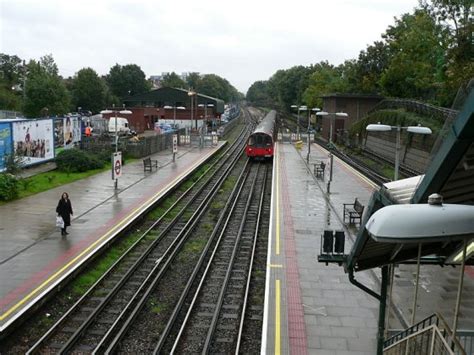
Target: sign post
x=116, y=167
x=175, y=146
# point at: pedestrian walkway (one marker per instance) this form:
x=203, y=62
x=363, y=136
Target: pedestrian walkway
x=310, y=307
x=34, y=257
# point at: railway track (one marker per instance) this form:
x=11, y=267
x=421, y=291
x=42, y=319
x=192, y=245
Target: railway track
x=101, y=312
x=212, y=318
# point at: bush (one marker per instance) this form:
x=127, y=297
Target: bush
x=8, y=187
x=76, y=161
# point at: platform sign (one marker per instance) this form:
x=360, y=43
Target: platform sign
x=280, y=136
x=175, y=143
x=116, y=165
x=215, y=138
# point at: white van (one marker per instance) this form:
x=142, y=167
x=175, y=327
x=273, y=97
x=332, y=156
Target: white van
x=122, y=125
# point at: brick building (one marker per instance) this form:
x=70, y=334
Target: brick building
x=355, y=105
x=153, y=106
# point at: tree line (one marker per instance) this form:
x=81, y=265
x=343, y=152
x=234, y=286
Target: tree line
x=425, y=55
x=36, y=88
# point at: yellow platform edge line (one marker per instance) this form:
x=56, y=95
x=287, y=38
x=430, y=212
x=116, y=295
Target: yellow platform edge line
x=277, y=318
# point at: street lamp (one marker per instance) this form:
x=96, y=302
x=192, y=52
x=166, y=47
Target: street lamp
x=331, y=157
x=122, y=112
x=205, y=110
x=314, y=109
x=192, y=93
x=338, y=114
x=167, y=107
x=384, y=128
x=300, y=108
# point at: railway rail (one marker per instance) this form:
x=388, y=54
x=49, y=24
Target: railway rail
x=95, y=318
x=213, y=313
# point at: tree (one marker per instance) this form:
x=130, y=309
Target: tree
x=172, y=80
x=369, y=68
x=127, y=80
x=257, y=94
x=418, y=47
x=88, y=90
x=454, y=16
x=325, y=79
x=216, y=86
x=12, y=73
x=193, y=80
x=44, y=90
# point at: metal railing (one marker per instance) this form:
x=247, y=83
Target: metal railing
x=439, y=113
x=432, y=335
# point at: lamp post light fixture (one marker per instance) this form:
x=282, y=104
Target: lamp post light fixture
x=205, y=111
x=167, y=107
x=205, y=120
x=331, y=156
x=385, y=128
x=338, y=114
x=122, y=112
x=191, y=95
x=300, y=108
x=314, y=109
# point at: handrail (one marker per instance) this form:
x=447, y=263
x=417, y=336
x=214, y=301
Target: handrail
x=439, y=113
x=433, y=320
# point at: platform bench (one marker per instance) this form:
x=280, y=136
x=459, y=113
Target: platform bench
x=319, y=169
x=353, y=211
x=149, y=164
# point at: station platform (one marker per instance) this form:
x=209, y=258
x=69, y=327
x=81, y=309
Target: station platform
x=311, y=308
x=35, y=258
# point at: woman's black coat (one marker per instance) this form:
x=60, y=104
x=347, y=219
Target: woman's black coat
x=64, y=209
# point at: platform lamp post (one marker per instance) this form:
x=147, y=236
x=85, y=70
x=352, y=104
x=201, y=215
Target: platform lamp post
x=331, y=157
x=191, y=95
x=384, y=128
x=116, y=112
x=167, y=107
x=205, y=119
x=314, y=109
x=300, y=108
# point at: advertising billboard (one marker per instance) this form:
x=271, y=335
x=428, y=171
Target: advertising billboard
x=33, y=140
x=67, y=132
x=5, y=143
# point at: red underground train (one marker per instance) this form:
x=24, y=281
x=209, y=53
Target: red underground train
x=261, y=142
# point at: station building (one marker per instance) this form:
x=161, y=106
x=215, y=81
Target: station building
x=356, y=106
x=187, y=109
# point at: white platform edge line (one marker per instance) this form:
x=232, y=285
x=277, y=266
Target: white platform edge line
x=269, y=256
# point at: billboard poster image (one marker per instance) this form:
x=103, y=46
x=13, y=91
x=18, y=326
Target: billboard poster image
x=58, y=133
x=33, y=140
x=67, y=133
x=5, y=143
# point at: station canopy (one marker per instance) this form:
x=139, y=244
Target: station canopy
x=172, y=97
x=451, y=175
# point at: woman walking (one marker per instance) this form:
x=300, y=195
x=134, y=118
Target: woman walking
x=64, y=210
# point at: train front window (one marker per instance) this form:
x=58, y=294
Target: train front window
x=268, y=141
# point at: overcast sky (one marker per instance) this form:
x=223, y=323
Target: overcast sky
x=242, y=41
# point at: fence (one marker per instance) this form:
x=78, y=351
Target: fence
x=135, y=149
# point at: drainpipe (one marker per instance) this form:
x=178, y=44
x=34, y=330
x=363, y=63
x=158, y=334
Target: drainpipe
x=382, y=298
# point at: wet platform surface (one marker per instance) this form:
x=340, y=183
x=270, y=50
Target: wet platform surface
x=313, y=308
x=34, y=256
